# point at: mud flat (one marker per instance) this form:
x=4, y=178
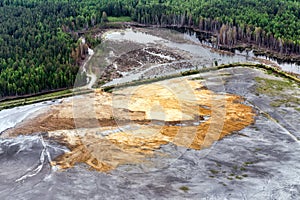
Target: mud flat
x=142, y=158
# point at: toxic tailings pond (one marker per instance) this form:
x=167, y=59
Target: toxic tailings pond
x=223, y=134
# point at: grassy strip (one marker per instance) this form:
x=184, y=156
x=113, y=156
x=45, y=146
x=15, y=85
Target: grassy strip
x=119, y=19
x=41, y=98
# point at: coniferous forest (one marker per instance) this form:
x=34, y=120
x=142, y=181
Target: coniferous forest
x=40, y=51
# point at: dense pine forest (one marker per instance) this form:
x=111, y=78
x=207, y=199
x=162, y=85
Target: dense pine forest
x=40, y=51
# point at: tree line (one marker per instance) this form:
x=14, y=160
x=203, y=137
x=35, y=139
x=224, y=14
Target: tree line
x=272, y=24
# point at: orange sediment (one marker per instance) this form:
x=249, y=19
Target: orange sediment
x=177, y=111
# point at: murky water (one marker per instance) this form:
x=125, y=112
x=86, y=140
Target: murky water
x=204, y=56
x=195, y=48
x=134, y=36
x=249, y=55
x=285, y=66
x=10, y=117
x=199, y=55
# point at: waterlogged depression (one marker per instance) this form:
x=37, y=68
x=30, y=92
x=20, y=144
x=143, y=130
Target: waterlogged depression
x=10, y=117
x=202, y=56
x=146, y=140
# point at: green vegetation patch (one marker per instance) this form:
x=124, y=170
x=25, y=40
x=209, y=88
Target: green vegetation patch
x=214, y=171
x=271, y=87
x=278, y=89
x=184, y=188
x=119, y=19
x=40, y=98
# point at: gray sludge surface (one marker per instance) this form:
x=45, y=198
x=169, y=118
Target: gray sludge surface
x=260, y=162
